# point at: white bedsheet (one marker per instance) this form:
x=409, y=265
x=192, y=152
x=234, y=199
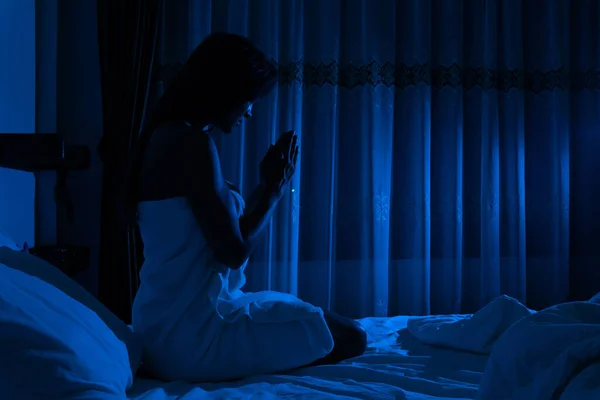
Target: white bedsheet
x=549, y=354
x=396, y=366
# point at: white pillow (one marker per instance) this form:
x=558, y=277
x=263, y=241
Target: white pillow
x=6, y=241
x=43, y=270
x=53, y=347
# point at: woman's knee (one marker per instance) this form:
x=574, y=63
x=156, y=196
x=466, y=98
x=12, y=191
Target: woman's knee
x=358, y=337
x=350, y=337
x=353, y=342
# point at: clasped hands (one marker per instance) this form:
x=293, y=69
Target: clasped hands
x=279, y=164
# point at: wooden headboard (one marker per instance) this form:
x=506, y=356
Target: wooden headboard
x=29, y=153
x=41, y=152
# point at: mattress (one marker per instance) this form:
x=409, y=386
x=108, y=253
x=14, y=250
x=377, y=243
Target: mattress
x=395, y=366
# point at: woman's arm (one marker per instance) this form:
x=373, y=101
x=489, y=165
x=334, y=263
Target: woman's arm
x=231, y=239
x=259, y=209
x=255, y=197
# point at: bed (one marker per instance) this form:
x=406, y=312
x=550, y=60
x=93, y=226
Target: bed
x=396, y=366
x=58, y=342
x=504, y=351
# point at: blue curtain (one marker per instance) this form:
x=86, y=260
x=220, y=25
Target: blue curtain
x=448, y=148
x=127, y=39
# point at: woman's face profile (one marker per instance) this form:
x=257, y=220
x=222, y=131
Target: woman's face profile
x=234, y=117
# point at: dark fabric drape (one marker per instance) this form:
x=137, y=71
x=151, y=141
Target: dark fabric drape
x=127, y=32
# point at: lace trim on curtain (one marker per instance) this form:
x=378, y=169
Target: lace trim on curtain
x=403, y=75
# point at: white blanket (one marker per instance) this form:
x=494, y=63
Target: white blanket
x=395, y=367
x=533, y=355
x=476, y=333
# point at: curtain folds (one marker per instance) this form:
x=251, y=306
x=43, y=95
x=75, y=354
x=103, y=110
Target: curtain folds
x=128, y=35
x=447, y=148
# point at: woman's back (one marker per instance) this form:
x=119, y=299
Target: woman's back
x=180, y=283
x=196, y=323
x=172, y=239
x=184, y=295
x=170, y=276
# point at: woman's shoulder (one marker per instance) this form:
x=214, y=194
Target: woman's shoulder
x=181, y=137
x=172, y=160
x=171, y=132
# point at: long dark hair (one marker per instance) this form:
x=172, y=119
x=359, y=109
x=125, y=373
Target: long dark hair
x=224, y=71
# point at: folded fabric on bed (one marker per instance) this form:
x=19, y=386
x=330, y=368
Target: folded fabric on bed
x=538, y=356
x=533, y=355
x=53, y=347
x=476, y=333
x=585, y=385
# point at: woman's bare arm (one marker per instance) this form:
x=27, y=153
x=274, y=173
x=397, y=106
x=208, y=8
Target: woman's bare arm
x=231, y=239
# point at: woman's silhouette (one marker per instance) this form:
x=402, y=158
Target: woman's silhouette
x=195, y=322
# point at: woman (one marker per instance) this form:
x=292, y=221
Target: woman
x=196, y=323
